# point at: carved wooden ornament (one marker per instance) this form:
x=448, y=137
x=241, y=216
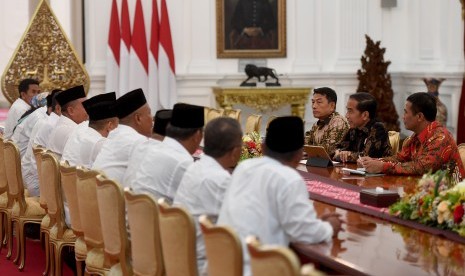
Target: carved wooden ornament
x=46, y=54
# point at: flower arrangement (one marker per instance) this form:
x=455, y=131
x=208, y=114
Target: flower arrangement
x=251, y=146
x=437, y=201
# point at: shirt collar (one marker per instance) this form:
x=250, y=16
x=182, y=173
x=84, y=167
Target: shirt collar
x=211, y=161
x=172, y=143
x=322, y=122
x=366, y=129
x=425, y=133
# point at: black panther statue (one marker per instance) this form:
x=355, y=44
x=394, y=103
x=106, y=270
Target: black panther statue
x=259, y=72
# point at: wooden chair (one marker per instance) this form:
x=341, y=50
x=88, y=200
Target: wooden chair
x=394, y=140
x=223, y=248
x=6, y=234
x=45, y=224
x=24, y=210
x=113, y=217
x=271, y=260
x=462, y=152
x=97, y=262
x=68, y=184
x=233, y=113
x=214, y=113
x=146, y=248
x=60, y=235
x=253, y=123
x=178, y=240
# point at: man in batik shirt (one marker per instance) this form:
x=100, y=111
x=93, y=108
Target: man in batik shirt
x=366, y=136
x=331, y=127
x=431, y=147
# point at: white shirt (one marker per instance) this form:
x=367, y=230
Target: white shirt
x=17, y=109
x=23, y=131
x=201, y=192
x=60, y=134
x=39, y=136
x=159, y=170
x=116, y=150
x=269, y=200
x=83, y=146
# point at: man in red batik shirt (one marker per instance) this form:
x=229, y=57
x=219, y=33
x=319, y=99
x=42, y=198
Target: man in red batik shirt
x=429, y=148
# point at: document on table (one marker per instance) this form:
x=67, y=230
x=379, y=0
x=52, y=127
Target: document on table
x=360, y=171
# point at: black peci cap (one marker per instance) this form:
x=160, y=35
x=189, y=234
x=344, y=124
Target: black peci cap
x=285, y=134
x=130, y=102
x=188, y=116
x=71, y=94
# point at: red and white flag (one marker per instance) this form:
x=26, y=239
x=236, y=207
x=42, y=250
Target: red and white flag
x=113, y=51
x=167, y=72
x=138, y=55
x=124, y=49
x=152, y=93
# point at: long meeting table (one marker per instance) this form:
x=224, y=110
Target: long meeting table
x=374, y=246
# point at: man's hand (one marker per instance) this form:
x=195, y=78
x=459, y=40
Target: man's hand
x=344, y=156
x=335, y=220
x=372, y=165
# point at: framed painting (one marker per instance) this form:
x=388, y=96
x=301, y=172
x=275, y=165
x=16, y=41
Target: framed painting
x=251, y=28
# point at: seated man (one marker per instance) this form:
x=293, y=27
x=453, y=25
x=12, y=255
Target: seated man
x=269, y=199
x=135, y=126
x=160, y=122
x=331, y=127
x=28, y=88
x=39, y=136
x=430, y=147
x=72, y=114
x=23, y=130
x=158, y=169
x=85, y=142
x=366, y=136
x=205, y=182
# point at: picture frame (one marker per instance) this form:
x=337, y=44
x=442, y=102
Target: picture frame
x=251, y=29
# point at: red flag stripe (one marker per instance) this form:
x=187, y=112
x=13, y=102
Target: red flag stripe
x=165, y=35
x=155, y=35
x=139, y=40
x=125, y=24
x=114, y=35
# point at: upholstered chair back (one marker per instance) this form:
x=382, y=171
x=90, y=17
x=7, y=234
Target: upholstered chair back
x=13, y=174
x=462, y=152
x=253, y=123
x=51, y=177
x=394, y=140
x=271, y=260
x=113, y=217
x=146, y=248
x=178, y=240
x=68, y=184
x=3, y=181
x=88, y=206
x=38, y=152
x=223, y=248
x=233, y=113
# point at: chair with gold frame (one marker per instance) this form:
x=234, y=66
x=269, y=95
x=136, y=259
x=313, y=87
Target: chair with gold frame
x=24, y=210
x=233, y=113
x=272, y=260
x=178, y=239
x=214, y=113
x=223, y=248
x=143, y=219
x=5, y=209
x=462, y=153
x=45, y=224
x=68, y=185
x=394, y=140
x=97, y=262
x=60, y=235
x=253, y=123
x=113, y=217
